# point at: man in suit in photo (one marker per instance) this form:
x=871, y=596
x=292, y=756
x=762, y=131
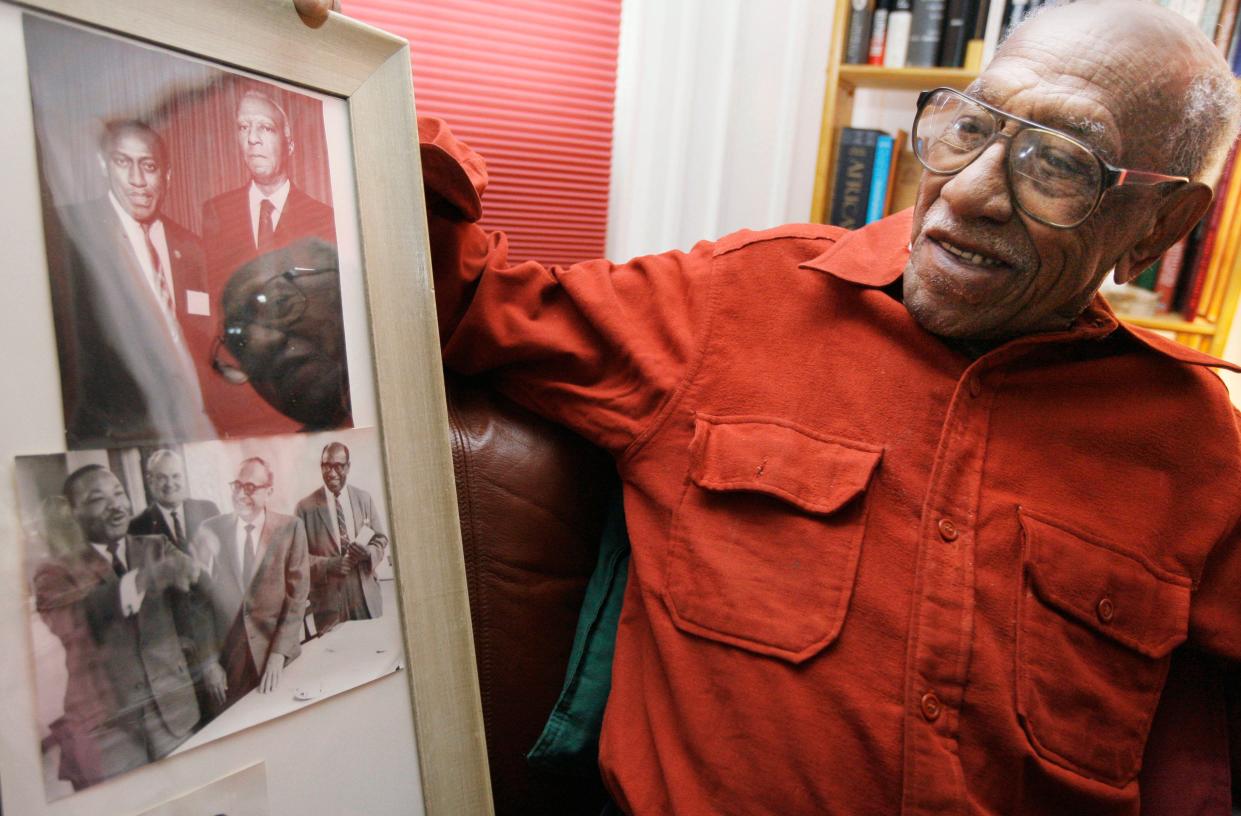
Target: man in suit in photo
x=130, y=301
x=267, y=213
x=114, y=601
x=347, y=543
x=257, y=577
x=173, y=514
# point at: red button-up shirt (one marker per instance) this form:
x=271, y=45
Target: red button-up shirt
x=870, y=574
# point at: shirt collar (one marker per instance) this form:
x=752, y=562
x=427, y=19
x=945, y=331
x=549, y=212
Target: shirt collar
x=258, y=525
x=876, y=254
x=128, y=221
x=277, y=198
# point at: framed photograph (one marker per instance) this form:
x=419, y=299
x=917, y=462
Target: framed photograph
x=230, y=510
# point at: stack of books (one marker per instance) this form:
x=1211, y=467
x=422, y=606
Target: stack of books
x=876, y=174
x=965, y=33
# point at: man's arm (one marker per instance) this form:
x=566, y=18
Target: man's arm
x=599, y=347
x=288, y=633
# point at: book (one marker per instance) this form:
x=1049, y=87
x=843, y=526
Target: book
x=1208, y=257
x=907, y=177
x=855, y=160
x=925, y=31
x=857, y=45
x=995, y=25
x=958, y=26
x=899, y=140
x=878, y=32
x=1170, y=273
x=1147, y=277
x=1223, y=29
x=896, y=48
x=880, y=174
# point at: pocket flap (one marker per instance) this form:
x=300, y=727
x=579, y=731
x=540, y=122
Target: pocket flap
x=1118, y=594
x=817, y=473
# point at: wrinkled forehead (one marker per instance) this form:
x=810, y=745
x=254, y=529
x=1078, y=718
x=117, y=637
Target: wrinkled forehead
x=252, y=472
x=255, y=107
x=1099, y=76
x=101, y=481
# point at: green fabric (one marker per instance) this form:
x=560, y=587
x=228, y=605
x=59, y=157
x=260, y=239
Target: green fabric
x=570, y=740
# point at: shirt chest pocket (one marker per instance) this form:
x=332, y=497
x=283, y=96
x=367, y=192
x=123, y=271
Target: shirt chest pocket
x=766, y=538
x=1096, y=630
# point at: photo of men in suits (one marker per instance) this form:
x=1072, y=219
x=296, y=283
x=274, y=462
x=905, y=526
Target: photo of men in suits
x=257, y=577
x=173, y=513
x=347, y=543
x=114, y=600
x=130, y=302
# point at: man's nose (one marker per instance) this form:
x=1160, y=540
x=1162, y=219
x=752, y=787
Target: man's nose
x=981, y=190
x=136, y=178
x=252, y=135
x=262, y=340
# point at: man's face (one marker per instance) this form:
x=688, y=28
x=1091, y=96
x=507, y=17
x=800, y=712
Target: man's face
x=101, y=507
x=287, y=333
x=166, y=481
x=335, y=468
x=1066, y=71
x=260, y=133
x=135, y=175
x=250, y=505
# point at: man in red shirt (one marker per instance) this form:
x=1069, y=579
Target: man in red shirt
x=916, y=522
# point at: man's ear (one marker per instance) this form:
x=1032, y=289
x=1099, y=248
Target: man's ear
x=1178, y=214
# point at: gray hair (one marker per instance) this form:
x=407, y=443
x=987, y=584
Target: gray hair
x=262, y=97
x=261, y=462
x=161, y=455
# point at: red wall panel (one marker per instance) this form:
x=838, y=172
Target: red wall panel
x=530, y=84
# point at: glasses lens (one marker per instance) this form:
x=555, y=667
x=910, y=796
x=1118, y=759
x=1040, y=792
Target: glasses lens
x=278, y=303
x=1054, y=179
x=950, y=131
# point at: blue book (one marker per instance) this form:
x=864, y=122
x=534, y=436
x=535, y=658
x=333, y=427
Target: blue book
x=879, y=178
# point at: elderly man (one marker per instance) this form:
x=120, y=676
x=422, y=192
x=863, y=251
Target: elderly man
x=256, y=575
x=115, y=603
x=911, y=529
x=172, y=513
x=347, y=544
x=268, y=212
x=283, y=334
x=129, y=293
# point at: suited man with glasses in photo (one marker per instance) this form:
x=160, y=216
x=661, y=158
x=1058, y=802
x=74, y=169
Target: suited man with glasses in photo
x=256, y=575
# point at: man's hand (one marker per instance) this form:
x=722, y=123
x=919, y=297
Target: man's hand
x=314, y=12
x=174, y=570
x=340, y=565
x=358, y=554
x=215, y=682
x=271, y=674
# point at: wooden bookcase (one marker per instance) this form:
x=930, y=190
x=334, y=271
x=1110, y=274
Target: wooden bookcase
x=1207, y=330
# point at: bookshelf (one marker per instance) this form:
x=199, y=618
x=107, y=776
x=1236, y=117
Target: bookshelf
x=1206, y=330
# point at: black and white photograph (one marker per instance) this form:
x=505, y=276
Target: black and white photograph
x=181, y=593
x=191, y=245
x=243, y=793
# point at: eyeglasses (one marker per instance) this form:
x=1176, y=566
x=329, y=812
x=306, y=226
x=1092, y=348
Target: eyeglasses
x=337, y=467
x=278, y=304
x=247, y=487
x=1055, y=179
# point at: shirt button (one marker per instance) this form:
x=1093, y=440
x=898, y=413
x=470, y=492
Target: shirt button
x=931, y=706
x=1106, y=610
x=947, y=530
x=975, y=385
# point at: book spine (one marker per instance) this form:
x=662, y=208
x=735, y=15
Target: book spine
x=1221, y=213
x=1223, y=30
x=1170, y=273
x=957, y=29
x=858, y=44
x=878, y=32
x=851, y=190
x=925, y=32
x=995, y=25
x=896, y=49
x=899, y=140
x=878, y=195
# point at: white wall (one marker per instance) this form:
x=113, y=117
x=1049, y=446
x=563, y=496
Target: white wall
x=717, y=119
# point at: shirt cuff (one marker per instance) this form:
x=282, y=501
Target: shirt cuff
x=131, y=595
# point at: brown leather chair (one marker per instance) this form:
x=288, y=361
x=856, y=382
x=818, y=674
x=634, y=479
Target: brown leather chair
x=531, y=496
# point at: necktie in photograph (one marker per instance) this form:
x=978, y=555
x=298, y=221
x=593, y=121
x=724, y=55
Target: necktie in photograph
x=117, y=566
x=247, y=567
x=342, y=531
x=267, y=230
x=177, y=530
x=157, y=270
